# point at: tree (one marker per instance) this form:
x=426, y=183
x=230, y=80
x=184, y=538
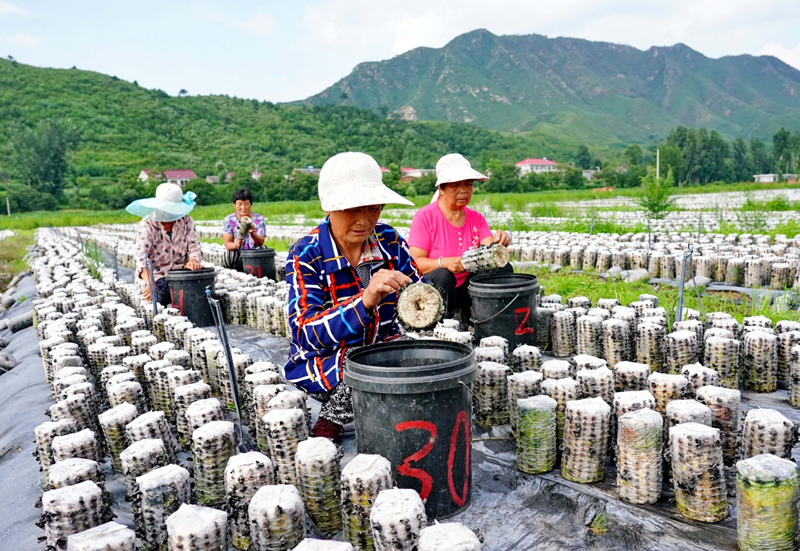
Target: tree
x=583, y=158
x=41, y=155
x=392, y=178
x=534, y=182
x=633, y=155
x=782, y=150
x=504, y=177
x=573, y=177
x=672, y=160
x=656, y=197
x=760, y=158
x=182, y=93
x=715, y=156
x=742, y=169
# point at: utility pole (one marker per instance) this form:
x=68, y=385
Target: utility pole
x=8, y=205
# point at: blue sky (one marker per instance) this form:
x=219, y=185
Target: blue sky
x=287, y=50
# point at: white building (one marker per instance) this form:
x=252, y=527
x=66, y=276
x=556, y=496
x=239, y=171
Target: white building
x=771, y=178
x=179, y=177
x=527, y=166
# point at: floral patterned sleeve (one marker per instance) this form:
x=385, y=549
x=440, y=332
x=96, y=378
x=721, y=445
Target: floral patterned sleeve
x=193, y=241
x=144, y=242
x=261, y=225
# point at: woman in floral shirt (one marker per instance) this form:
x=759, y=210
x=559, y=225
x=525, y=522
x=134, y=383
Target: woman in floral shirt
x=168, y=236
x=242, y=202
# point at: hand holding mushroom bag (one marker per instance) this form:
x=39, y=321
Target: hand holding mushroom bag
x=343, y=280
x=442, y=231
x=167, y=234
x=234, y=242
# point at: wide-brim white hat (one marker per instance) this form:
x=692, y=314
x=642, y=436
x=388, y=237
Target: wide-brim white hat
x=351, y=180
x=169, y=204
x=455, y=168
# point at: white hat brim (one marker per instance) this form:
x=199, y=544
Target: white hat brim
x=459, y=174
x=362, y=195
x=144, y=207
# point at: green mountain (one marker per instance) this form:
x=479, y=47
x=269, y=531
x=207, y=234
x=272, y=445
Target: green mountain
x=125, y=128
x=592, y=92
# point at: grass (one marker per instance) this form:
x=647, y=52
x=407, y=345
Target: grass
x=272, y=243
x=568, y=285
x=540, y=204
x=12, y=254
x=599, y=525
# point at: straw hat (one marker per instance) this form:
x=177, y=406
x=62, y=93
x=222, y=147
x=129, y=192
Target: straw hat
x=350, y=180
x=455, y=168
x=168, y=205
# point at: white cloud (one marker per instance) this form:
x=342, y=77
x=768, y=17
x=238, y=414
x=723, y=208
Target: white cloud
x=10, y=9
x=790, y=56
x=19, y=39
x=260, y=23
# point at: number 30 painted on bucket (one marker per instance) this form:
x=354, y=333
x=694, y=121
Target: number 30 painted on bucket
x=423, y=476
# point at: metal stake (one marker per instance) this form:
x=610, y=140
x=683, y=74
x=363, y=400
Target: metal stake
x=679, y=308
x=699, y=225
x=153, y=291
x=244, y=444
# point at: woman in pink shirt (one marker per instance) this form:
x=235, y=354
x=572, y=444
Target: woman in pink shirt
x=443, y=230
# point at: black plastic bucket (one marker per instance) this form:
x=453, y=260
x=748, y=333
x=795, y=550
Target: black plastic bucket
x=187, y=291
x=413, y=406
x=505, y=305
x=259, y=262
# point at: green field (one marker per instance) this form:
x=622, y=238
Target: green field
x=542, y=203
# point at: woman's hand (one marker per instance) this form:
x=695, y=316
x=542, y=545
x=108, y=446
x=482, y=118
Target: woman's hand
x=502, y=237
x=237, y=244
x=453, y=263
x=193, y=265
x=383, y=282
x=146, y=294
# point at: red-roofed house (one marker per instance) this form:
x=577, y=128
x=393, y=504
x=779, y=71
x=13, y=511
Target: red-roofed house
x=180, y=176
x=407, y=173
x=527, y=166
x=146, y=175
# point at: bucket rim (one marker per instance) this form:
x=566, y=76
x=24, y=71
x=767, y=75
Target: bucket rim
x=480, y=285
x=366, y=377
x=184, y=274
x=258, y=252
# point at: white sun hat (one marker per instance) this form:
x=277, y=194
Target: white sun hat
x=455, y=168
x=168, y=205
x=350, y=180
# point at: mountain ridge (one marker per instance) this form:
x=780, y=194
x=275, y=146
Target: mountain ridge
x=517, y=82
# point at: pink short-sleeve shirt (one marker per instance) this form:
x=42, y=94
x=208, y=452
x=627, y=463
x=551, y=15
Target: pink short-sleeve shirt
x=431, y=232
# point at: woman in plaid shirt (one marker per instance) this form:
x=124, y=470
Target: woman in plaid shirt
x=343, y=280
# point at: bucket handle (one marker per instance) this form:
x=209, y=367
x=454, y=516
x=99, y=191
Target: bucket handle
x=506, y=307
x=465, y=385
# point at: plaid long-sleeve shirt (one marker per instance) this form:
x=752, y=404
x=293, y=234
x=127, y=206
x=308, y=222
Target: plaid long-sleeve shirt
x=326, y=313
